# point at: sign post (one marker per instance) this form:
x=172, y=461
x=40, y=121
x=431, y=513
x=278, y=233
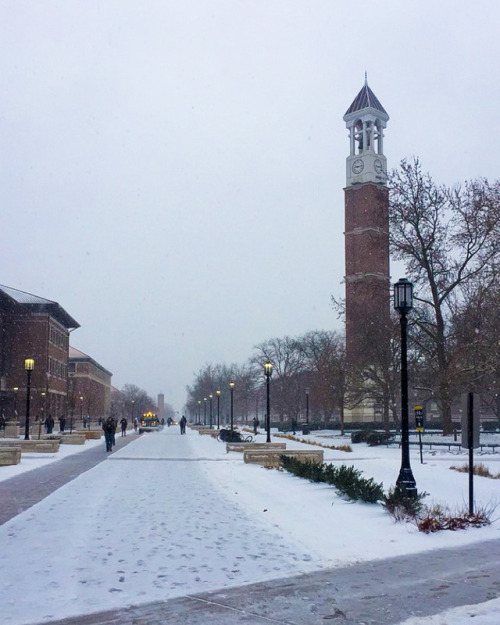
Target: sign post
x=419, y=427
x=470, y=437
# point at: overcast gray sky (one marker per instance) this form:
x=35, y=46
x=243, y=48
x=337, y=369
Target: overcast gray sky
x=172, y=172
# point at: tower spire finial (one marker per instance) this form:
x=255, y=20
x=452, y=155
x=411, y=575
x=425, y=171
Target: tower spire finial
x=366, y=78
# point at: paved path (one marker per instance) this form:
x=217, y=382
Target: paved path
x=384, y=592
x=23, y=491
x=375, y=593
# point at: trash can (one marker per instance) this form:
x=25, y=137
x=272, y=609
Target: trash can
x=305, y=428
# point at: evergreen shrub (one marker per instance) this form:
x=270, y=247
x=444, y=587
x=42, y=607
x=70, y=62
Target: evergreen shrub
x=347, y=480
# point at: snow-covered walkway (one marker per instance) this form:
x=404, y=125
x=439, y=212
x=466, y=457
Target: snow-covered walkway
x=146, y=524
x=172, y=515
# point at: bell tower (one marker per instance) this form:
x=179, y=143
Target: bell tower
x=366, y=232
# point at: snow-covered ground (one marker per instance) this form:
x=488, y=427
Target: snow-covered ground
x=170, y=515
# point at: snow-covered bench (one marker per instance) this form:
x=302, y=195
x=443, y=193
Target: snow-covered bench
x=9, y=455
x=38, y=447
x=251, y=446
x=209, y=431
x=271, y=457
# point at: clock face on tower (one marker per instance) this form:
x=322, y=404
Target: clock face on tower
x=378, y=166
x=358, y=166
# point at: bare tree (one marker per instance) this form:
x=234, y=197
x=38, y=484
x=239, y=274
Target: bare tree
x=287, y=382
x=448, y=239
x=324, y=354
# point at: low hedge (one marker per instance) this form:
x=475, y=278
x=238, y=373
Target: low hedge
x=371, y=437
x=347, y=480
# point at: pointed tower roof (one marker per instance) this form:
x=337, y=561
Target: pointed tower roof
x=366, y=99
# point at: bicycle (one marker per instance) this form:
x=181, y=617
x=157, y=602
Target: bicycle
x=228, y=436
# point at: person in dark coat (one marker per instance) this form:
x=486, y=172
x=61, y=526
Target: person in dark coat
x=109, y=427
x=49, y=424
x=256, y=424
x=62, y=423
x=182, y=424
x=124, y=424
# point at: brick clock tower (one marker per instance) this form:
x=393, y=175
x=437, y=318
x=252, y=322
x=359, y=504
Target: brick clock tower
x=366, y=233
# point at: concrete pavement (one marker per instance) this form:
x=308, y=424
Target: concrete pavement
x=384, y=592
x=23, y=491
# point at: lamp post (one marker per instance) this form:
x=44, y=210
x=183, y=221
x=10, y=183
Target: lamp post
x=211, y=397
x=81, y=410
x=231, y=386
x=199, y=411
x=42, y=419
x=218, y=408
x=307, y=406
x=204, y=411
x=403, y=303
x=29, y=365
x=268, y=372
x=16, y=388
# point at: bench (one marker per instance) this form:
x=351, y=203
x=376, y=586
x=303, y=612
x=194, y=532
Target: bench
x=9, y=456
x=37, y=447
x=73, y=439
x=208, y=431
x=250, y=446
x=271, y=457
x=92, y=434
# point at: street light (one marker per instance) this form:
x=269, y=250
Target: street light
x=211, y=397
x=231, y=386
x=218, y=408
x=307, y=406
x=199, y=411
x=44, y=410
x=268, y=372
x=29, y=365
x=204, y=411
x=15, y=389
x=403, y=303
x=81, y=410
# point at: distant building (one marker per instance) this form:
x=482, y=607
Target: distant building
x=38, y=328
x=161, y=405
x=89, y=386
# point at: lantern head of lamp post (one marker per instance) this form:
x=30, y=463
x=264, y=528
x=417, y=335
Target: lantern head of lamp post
x=268, y=369
x=29, y=364
x=403, y=296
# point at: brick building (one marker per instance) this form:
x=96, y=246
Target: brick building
x=38, y=328
x=367, y=279
x=89, y=386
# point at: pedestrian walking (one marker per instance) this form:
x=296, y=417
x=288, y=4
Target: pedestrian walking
x=109, y=427
x=294, y=426
x=62, y=423
x=182, y=424
x=49, y=424
x=136, y=424
x=256, y=424
x=124, y=424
